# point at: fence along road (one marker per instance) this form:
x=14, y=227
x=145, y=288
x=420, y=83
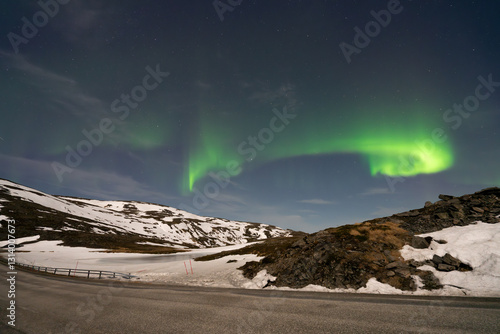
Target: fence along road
x=58, y=304
x=88, y=273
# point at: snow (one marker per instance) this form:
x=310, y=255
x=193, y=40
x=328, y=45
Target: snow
x=20, y=241
x=374, y=286
x=2, y=217
x=44, y=228
x=169, y=268
x=477, y=245
x=151, y=244
x=260, y=280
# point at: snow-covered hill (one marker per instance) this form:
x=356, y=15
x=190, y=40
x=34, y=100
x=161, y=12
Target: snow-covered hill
x=104, y=224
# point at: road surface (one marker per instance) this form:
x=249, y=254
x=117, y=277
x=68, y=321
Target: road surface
x=46, y=304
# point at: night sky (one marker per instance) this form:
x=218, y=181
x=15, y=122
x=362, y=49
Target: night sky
x=302, y=114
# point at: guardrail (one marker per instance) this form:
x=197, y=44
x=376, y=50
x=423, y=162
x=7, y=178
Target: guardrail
x=76, y=272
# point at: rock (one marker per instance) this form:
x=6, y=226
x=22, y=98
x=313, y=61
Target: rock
x=394, y=264
x=419, y=242
x=415, y=264
x=389, y=256
x=457, y=214
x=475, y=202
x=403, y=214
x=442, y=215
x=453, y=261
x=390, y=273
x=464, y=267
x=430, y=263
x=479, y=210
x=445, y=267
x=427, y=204
x=412, y=213
x=489, y=191
x=445, y=197
x=403, y=272
x=430, y=281
x=437, y=259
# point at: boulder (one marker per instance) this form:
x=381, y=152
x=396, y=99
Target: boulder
x=445, y=197
x=442, y=215
x=478, y=210
x=389, y=256
x=437, y=259
x=403, y=272
x=457, y=207
x=394, y=264
x=445, y=267
x=457, y=214
x=419, y=242
x=453, y=261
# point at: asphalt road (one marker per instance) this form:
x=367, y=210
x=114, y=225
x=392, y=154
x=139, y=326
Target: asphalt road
x=63, y=305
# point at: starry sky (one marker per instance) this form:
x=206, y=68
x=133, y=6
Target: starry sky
x=301, y=114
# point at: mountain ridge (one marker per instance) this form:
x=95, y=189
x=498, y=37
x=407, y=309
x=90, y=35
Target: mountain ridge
x=120, y=225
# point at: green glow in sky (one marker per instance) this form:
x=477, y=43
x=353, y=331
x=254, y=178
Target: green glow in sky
x=211, y=151
x=399, y=144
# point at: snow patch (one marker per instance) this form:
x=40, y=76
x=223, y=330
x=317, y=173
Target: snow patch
x=477, y=245
x=20, y=241
x=260, y=280
x=374, y=286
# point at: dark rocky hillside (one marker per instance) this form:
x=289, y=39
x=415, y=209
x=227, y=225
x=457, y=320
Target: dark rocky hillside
x=450, y=211
x=348, y=256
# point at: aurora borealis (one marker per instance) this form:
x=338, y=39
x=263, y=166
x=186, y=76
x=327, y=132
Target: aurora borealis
x=256, y=117
x=399, y=147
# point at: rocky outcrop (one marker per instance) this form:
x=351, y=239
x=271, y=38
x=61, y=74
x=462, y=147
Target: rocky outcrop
x=345, y=257
x=446, y=263
x=450, y=211
x=348, y=256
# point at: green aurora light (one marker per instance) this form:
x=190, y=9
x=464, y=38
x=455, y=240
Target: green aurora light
x=399, y=145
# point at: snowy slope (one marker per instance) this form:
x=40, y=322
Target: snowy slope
x=477, y=245
x=37, y=211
